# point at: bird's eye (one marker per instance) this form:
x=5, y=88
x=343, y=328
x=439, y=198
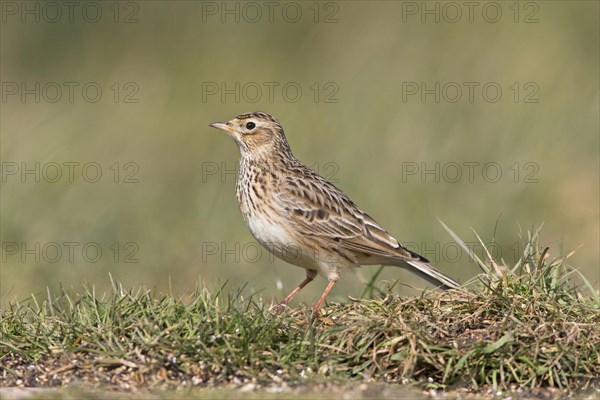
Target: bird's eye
x=250, y=125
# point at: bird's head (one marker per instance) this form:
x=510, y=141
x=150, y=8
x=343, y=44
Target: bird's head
x=256, y=133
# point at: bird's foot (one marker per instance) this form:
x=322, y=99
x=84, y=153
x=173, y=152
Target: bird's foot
x=279, y=308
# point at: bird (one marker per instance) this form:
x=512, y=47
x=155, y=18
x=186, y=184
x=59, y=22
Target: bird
x=304, y=219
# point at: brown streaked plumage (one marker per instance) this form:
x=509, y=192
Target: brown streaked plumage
x=301, y=217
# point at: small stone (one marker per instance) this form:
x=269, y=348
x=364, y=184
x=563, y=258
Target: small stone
x=249, y=387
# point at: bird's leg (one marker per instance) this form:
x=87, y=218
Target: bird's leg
x=323, y=296
x=310, y=275
x=290, y=296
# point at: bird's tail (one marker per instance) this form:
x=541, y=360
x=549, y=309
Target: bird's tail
x=427, y=271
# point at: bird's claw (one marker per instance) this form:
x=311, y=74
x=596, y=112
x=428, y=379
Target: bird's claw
x=279, y=308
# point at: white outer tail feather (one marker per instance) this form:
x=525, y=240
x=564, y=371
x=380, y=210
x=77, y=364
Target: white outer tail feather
x=433, y=274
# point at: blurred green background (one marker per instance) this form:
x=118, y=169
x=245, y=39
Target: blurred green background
x=354, y=85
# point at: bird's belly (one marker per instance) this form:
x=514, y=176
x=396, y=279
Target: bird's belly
x=276, y=239
x=267, y=231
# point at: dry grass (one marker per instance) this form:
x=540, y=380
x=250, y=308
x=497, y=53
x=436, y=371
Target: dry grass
x=521, y=329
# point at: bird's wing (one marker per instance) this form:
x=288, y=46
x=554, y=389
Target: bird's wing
x=318, y=209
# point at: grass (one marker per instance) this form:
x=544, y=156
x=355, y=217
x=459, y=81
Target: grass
x=528, y=327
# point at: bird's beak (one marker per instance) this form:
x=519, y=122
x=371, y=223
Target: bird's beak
x=224, y=126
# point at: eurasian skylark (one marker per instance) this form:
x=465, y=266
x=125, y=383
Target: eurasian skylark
x=302, y=218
